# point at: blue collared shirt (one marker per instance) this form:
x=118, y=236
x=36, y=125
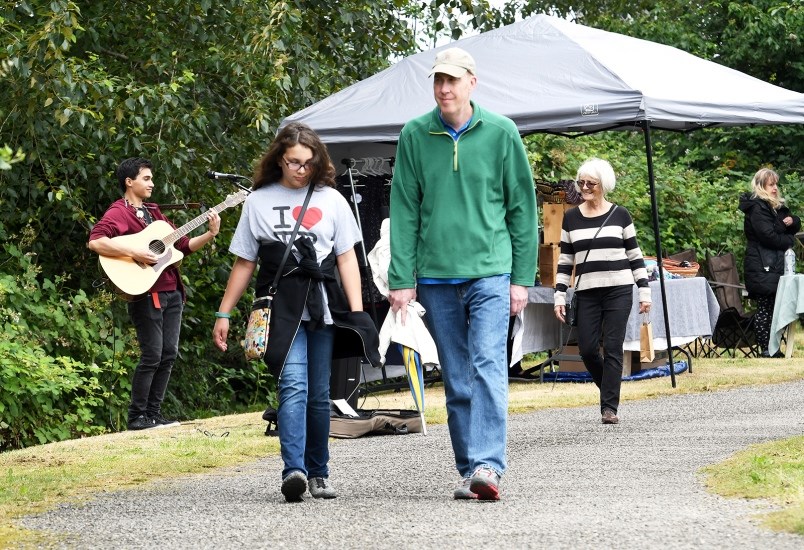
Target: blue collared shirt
x=452, y=131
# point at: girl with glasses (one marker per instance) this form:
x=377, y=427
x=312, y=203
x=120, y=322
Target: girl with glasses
x=315, y=315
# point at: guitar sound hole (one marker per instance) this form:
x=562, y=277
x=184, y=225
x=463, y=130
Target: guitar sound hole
x=157, y=247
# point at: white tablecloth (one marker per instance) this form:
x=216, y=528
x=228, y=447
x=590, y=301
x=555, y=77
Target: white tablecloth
x=788, y=306
x=692, y=309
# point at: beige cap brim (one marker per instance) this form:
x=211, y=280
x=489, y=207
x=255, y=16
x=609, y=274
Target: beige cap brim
x=451, y=70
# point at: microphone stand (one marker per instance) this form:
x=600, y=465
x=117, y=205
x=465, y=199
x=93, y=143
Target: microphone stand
x=232, y=179
x=241, y=186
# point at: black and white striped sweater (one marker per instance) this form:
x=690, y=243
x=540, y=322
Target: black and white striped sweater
x=614, y=258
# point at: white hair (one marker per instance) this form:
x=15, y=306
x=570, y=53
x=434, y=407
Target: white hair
x=600, y=170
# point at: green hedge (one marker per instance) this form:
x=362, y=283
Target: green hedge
x=62, y=364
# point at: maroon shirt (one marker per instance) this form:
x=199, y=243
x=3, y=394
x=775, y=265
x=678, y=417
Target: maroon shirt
x=121, y=219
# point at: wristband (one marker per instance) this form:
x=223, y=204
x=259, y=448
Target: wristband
x=222, y=315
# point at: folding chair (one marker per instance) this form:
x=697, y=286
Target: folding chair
x=734, y=331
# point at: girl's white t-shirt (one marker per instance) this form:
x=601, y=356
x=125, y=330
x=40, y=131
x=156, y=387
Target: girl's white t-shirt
x=270, y=213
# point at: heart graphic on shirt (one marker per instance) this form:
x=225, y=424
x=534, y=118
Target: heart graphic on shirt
x=311, y=217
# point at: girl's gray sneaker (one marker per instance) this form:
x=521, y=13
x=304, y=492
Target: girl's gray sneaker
x=320, y=487
x=294, y=486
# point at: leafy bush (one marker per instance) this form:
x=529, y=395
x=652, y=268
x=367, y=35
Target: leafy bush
x=45, y=398
x=62, y=361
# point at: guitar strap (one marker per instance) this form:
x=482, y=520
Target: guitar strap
x=146, y=215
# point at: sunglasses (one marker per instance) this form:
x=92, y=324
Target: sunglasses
x=588, y=184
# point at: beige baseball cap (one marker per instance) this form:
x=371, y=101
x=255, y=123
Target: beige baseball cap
x=454, y=62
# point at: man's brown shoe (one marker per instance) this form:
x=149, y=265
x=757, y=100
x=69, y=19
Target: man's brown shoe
x=609, y=417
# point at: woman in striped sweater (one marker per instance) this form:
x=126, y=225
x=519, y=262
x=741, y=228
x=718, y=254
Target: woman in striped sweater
x=610, y=264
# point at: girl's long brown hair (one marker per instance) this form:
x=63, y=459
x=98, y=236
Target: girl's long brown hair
x=268, y=170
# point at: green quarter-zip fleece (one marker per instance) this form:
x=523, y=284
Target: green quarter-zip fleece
x=439, y=228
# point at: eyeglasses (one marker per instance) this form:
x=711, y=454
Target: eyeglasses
x=587, y=183
x=295, y=166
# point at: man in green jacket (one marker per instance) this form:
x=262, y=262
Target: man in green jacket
x=464, y=241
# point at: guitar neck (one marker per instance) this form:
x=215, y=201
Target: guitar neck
x=192, y=224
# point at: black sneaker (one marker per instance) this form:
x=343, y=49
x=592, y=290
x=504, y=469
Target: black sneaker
x=162, y=422
x=142, y=422
x=294, y=486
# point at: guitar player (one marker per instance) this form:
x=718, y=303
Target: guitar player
x=156, y=315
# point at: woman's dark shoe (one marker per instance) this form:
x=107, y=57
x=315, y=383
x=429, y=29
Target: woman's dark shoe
x=519, y=375
x=765, y=354
x=271, y=416
x=609, y=417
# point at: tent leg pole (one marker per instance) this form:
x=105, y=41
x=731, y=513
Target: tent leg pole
x=658, y=240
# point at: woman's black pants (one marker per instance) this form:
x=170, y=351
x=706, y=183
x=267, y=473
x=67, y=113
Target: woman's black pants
x=602, y=317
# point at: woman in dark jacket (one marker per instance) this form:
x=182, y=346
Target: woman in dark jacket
x=770, y=230
x=314, y=317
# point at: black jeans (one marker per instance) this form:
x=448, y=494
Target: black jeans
x=158, y=335
x=604, y=311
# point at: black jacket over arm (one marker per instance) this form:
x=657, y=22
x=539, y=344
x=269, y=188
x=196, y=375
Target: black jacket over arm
x=355, y=334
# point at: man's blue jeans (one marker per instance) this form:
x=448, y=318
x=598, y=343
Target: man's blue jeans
x=469, y=323
x=303, y=413
x=158, y=335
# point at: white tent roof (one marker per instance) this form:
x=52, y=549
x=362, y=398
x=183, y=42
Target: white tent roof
x=548, y=74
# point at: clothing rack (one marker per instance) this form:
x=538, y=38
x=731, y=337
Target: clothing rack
x=371, y=165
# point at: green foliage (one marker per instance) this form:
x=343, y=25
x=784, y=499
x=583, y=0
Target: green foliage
x=60, y=373
x=192, y=86
x=9, y=157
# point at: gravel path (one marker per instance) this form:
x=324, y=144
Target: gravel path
x=572, y=483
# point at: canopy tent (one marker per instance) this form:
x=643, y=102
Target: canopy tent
x=551, y=75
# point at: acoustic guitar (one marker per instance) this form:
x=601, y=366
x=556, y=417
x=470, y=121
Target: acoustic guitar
x=133, y=278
